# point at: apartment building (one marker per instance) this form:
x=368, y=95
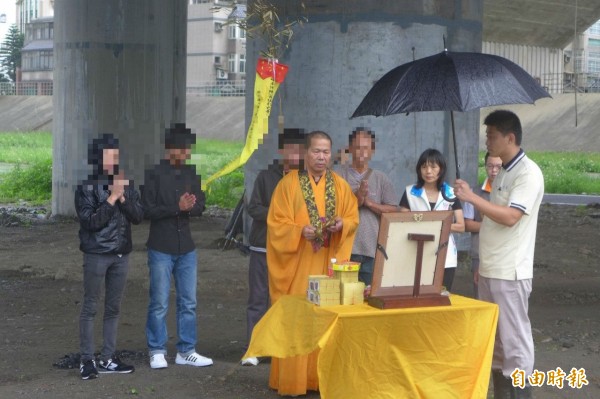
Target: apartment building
x=216, y=46
x=30, y=10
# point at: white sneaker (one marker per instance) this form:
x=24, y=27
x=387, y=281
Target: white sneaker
x=158, y=361
x=193, y=359
x=250, y=361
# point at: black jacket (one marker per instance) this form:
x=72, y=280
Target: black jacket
x=164, y=184
x=258, y=206
x=106, y=228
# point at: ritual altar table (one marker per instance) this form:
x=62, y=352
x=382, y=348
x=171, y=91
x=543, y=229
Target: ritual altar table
x=430, y=352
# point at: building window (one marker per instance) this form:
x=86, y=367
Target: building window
x=46, y=60
x=242, y=63
x=232, y=62
x=232, y=32
x=594, y=29
x=235, y=32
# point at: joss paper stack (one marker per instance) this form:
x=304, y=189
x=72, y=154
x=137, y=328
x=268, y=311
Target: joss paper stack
x=323, y=290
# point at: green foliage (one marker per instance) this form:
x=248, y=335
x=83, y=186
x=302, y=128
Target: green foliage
x=11, y=51
x=25, y=147
x=31, y=178
x=30, y=183
x=210, y=156
x=227, y=190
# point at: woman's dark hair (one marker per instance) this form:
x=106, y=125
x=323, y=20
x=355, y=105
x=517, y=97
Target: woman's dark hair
x=433, y=156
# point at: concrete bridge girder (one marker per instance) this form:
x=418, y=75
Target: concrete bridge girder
x=120, y=69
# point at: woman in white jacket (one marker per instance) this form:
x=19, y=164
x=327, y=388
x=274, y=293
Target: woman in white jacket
x=426, y=195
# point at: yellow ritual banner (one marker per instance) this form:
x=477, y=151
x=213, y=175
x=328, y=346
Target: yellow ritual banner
x=269, y=75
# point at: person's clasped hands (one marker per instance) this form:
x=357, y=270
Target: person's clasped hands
x=117, y=189
x=187, y=202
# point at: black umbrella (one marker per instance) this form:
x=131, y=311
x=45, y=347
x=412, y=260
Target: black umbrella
x=450, y=81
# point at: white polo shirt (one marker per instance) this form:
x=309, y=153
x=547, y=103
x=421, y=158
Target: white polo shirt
x=506, y=253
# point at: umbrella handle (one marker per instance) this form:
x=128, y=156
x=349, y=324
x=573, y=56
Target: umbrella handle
x=454, y=145
x=444, y=195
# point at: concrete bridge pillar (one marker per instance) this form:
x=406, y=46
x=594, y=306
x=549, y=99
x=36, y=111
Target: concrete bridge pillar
x=119, y=68
x=344, y=48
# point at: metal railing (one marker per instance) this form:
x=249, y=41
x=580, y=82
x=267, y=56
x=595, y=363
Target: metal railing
x=225, y=88
x=554, y=83
x=557, y=83
x=26, y=88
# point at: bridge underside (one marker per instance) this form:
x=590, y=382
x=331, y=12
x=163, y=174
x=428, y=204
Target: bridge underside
x=544, y=23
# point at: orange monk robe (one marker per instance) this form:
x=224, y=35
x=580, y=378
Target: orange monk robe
x=291, y=259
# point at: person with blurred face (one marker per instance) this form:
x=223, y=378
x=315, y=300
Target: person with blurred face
x=106, y=204
x=426, y=195
x=473, y=216
x=291, y=149
x=171, y=196
x=506, y=248
x=375, y=195
x=312, y=218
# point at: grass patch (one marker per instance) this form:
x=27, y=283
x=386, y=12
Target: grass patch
x=210, y=156
x=25, y=148
x=31, y=183
x=31, y=178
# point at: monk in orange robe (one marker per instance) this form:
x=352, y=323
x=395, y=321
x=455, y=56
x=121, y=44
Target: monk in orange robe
x=313, y=217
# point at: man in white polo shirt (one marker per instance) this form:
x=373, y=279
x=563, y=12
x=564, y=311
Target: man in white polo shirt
x=507, y=242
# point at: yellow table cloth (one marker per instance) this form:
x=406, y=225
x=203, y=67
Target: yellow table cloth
x=432, y=352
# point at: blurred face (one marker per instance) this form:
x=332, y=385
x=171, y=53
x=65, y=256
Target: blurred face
x=497, y=144
x=110, y=161
x=292, y=155
x=318, y=156
x=178, y=156
x=430, y=172
x=361, y=149
x=492, y=167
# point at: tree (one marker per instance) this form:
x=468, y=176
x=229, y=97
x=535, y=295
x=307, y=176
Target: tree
x=10, y=54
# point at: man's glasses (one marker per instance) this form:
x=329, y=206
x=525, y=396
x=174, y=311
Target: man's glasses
x=491, y=166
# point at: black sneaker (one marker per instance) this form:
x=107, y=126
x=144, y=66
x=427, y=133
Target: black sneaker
x=88, y=370
x=114, y=365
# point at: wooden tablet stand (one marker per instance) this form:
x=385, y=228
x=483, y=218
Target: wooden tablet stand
x=411, y=296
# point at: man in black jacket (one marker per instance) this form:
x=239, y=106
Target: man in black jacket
x=171, y=195
x=291, y=148
x=106, y=205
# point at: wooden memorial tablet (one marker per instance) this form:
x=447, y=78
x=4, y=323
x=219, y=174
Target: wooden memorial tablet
x=410, y=259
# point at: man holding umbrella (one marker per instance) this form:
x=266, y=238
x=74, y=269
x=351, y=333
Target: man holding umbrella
x=507, y=242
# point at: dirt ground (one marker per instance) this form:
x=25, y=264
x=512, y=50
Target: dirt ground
x=41, y=291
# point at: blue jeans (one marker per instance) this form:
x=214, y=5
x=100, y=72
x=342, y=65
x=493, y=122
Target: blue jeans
x=183, y=268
